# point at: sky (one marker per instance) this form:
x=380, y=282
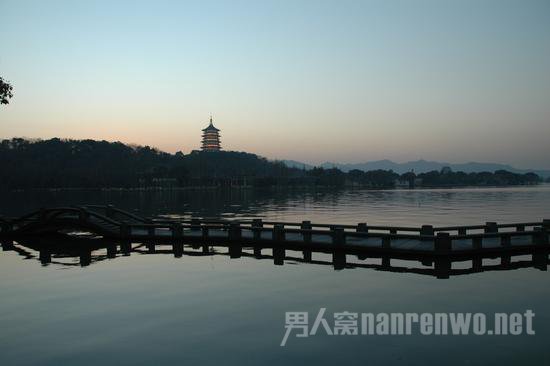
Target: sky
x=313, y=81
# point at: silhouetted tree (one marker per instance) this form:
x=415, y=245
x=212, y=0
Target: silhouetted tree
x=5, y=91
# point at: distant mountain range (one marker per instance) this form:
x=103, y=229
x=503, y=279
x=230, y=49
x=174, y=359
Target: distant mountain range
x=419, y=166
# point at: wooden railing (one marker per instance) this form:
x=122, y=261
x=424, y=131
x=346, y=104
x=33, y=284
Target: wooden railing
x=112, y=222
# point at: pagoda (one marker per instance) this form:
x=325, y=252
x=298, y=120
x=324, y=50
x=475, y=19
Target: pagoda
x=211, y=138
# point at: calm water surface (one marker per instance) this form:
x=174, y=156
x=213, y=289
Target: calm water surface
x=157, y=309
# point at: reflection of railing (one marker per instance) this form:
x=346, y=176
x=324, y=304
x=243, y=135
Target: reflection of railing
x=116, y=213
x=89, y=251
x=113, y=223
x=60, y=218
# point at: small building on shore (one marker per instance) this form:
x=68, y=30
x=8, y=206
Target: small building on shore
x=408, y=180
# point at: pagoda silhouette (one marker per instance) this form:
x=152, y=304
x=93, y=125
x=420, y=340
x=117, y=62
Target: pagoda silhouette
x=211, y=138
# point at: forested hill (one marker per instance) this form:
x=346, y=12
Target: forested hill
x=58, y=163
x=88, y=163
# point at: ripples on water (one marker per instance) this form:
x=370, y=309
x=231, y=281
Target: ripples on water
x=417, y=207
x=387, y=207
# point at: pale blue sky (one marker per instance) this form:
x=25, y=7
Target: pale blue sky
x=344, y=81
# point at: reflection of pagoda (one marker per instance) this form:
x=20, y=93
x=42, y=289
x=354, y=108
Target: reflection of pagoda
x=211, y=138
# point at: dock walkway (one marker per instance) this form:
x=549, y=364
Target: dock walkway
x=112, y=223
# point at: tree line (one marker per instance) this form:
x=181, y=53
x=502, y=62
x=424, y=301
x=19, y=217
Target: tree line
x=65, y=163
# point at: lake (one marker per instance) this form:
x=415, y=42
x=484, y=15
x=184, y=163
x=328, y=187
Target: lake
x=148, y=309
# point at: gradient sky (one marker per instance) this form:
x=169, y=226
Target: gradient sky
x=306, y=80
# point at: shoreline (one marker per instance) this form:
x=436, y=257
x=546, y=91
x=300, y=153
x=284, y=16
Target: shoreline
x=270, y=188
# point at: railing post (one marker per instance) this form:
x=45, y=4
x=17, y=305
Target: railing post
x=257, y=252
x=111, y=251
x=339, y=259
x=124, y=230
x=362, y=227
x=442, y=267
x=540, y=259
x=520, y=228
x=477, y=264
x=462, y=231
x=546, y=224
x=338, y=235
x=126, y=247
x=540, y=236
x=195, y=224
x=278, y=233
x=426, y=230
x=177, y=248
x=279, y=255
x=205, y=231
x=257, y=225
x=306, y=225
x=151, y=231
x=235, y=251
x=177, y=231
x=85, y=258
x=505, y=260
x=45, y=256
x=477, y=242
x=443, y=244
x=386, y=242
x=234, y=231
x=491, y=227
x=506, y=240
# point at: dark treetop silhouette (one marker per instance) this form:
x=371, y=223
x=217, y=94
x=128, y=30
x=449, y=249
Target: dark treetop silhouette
x=5, y=91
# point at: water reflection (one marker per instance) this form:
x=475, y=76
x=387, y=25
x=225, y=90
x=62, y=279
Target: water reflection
x=391, y=207
x=73, y=252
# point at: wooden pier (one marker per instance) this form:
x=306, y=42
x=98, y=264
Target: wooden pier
x=426, y=243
